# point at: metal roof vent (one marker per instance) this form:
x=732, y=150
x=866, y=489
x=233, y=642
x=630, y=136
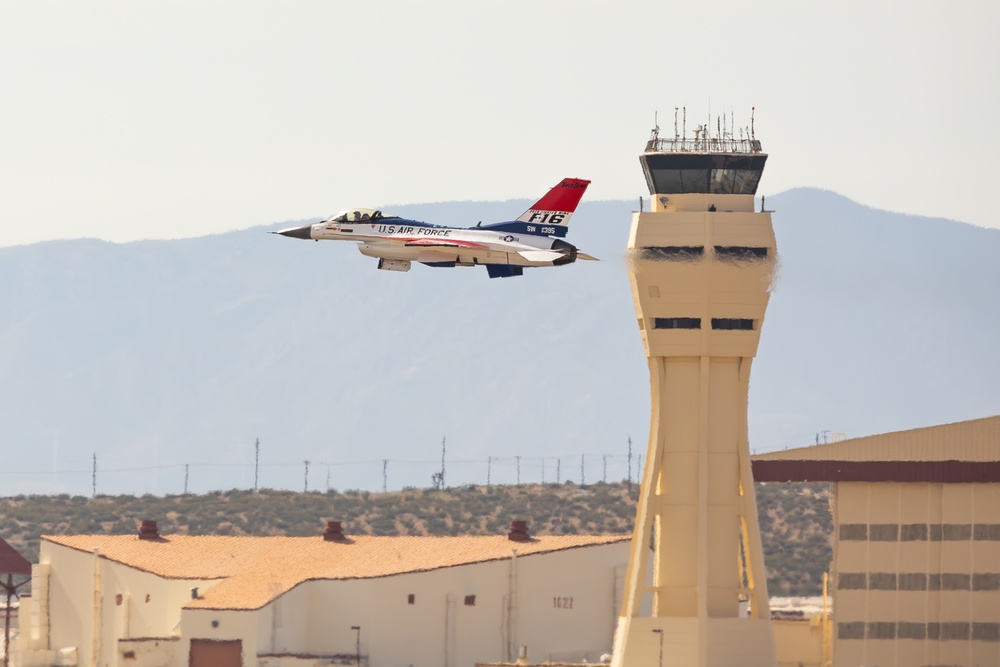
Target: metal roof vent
x=334, y=532
x=518, y=531
x=148, y=530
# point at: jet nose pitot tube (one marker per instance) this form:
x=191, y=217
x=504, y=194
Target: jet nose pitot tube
x=303, y=232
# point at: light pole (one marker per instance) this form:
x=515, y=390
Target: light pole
x=659, y=632
x=357, y=652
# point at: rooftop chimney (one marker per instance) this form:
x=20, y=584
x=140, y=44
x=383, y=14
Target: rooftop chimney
x=334, y=532
x=518, y=531
x=148, y=530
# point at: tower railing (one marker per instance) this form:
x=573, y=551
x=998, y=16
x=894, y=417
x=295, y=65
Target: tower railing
x=707, y=145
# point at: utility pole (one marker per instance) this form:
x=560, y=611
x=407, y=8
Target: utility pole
x=256, y=464
x=306, y=487
x=518, y=459
x=93, y=478
x=630, y=466
x=558, y=471
x=185, y=479
x=583, y=478
x=385, y=475
x=442, y=461
x=327, y=478
x=489, y=470
x=604, y=477
x=357, y=629
x=543, y=470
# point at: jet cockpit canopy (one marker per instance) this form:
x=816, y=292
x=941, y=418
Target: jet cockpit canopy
x=357, y=215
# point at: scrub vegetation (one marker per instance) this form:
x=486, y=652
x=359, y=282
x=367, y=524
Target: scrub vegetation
x=796, y=524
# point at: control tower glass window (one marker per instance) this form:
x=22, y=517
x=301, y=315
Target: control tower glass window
x=684, y=173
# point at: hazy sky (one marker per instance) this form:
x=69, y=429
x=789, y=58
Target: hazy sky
x=128, y=120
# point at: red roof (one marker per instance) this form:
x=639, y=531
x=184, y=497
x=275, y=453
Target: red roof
x=11, y=562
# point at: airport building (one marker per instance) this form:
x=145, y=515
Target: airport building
x=915, y=580
x=916, y=567
x=151, y=600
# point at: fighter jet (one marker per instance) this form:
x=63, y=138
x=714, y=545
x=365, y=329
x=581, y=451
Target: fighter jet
x=504, y=248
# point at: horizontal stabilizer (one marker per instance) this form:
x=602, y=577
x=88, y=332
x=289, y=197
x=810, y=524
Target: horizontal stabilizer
x=540, y=255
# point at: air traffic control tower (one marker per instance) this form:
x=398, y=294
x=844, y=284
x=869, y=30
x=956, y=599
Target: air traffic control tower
x=701, y=267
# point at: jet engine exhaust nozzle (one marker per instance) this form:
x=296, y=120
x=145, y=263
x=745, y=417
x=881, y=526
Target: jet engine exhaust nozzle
x=568, y=250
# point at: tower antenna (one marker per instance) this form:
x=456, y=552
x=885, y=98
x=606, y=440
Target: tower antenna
x=675, y=124
x=752, y=135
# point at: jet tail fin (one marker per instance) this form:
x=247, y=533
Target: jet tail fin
x=553, y=211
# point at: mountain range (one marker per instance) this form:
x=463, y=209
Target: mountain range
x=161, y=364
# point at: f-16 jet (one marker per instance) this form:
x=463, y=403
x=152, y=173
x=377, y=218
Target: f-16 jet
x=504, y=248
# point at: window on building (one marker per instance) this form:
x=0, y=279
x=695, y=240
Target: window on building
x=411, y=599
x=732, y=324
x=743, y=253
x=673, y=253
x=676, y=322
x=470, y=600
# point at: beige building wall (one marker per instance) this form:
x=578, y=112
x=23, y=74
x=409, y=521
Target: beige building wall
x=917, y=574
x=94, y=604
x=799, y=643
x=916, y=571
x=561, y=605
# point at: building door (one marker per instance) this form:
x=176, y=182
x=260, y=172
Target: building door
x=216, y=653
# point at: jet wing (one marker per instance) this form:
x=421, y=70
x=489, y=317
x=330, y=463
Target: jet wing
x=442, y=243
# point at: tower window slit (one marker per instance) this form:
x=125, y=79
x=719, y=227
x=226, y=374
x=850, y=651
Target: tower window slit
x=734, y=252
x=732, y=323
x=676, y=322
x=673, y=253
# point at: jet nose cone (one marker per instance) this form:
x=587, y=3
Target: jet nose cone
x=303, y=232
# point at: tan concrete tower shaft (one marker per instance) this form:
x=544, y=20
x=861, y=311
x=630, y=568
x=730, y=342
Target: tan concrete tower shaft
x=701, y=267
